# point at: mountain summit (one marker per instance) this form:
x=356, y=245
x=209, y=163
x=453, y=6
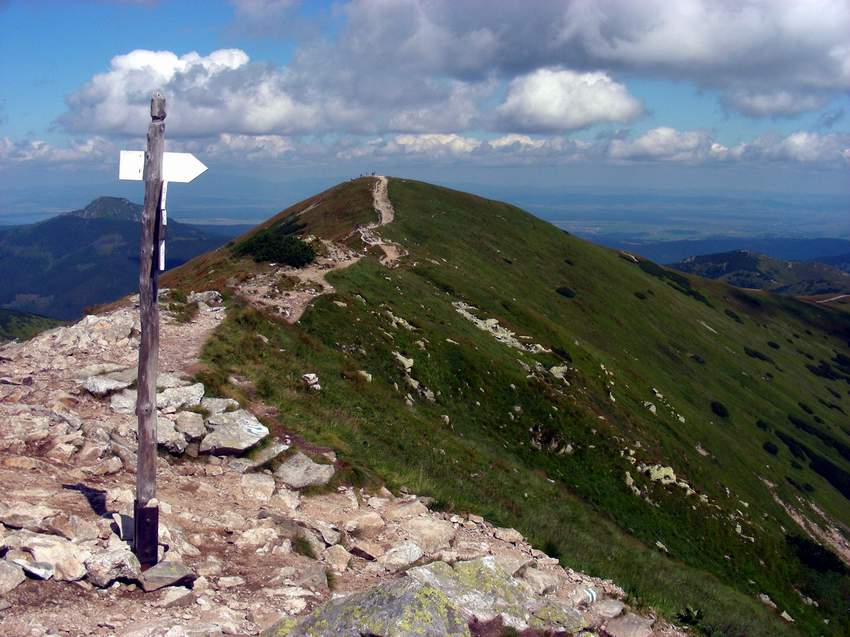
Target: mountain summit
x=679, y=435
x=109, y=208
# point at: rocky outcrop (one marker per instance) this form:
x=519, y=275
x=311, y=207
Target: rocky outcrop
x=241, y=547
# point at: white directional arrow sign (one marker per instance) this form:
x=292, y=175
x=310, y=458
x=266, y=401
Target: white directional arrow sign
x=178, y=167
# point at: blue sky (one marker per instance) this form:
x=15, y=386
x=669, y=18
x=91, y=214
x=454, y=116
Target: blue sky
x=696, y=94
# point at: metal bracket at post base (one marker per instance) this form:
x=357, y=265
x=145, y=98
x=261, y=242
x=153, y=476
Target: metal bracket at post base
x=146, y=534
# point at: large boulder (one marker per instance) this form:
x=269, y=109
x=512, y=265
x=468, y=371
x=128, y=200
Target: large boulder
x=233, y=432
x=298, y=471
x=396, y=609
x=117, y=564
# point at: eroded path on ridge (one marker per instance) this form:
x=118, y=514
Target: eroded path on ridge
x=289, y=291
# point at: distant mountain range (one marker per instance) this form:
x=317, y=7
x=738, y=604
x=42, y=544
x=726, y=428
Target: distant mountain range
x=792, y=249
x=84, y=257
x=745, y=269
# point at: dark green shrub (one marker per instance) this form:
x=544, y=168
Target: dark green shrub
x=698, y=359
x=273, y=245
x=771, y=448
x=773, y=344
x=763, y=425
x=569, y=262
x=566, y=292
x=719, y=409
x=815, y=556
x=640, y=295
x=733, y=316
x=754, y=353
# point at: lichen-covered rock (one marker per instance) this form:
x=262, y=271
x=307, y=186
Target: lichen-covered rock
x=481, y=589
x=555, y=614
x=298, y=471
x=401, y=608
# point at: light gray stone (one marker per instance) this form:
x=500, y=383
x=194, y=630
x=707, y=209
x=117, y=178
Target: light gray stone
x=71, y=527
x=365, y=524
x=175, y=398
x=257, y=486
x=166, y=574
x=508, y=535
x=233, y=432
x=401, y=555
x=541, y=582
x=298, y=471
x=22, y=515
x=337, y=558
x=430, y=534
x=104, y=568
x=101, y=386
x=629, y=625
x=215, y=406
x=168, y=437
x=190, y=425
x=11, y=575
x=67, y=558
x=123, y=402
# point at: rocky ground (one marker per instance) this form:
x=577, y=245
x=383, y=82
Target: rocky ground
x=252, y=537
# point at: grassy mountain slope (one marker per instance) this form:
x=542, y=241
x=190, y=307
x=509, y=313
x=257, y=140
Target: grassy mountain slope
x=746, y=269
x=60, y=266
x=752, y=419
x=20, y=326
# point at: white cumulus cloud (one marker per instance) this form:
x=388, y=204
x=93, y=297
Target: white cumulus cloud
x=554, y=99
x=219, y=92
x=663, y=143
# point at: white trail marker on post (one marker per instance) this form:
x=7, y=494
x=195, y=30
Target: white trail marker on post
x=156, y=168
x=177, y=167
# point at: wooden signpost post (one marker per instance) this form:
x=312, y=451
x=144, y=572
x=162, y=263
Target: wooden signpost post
x=156, y=168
